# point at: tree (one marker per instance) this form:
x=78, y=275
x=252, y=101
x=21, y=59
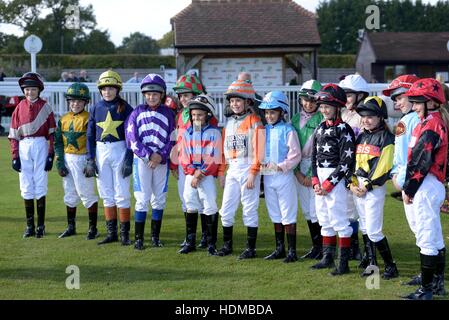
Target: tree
x=56, y=34
x=139, y=43
x=340, y=20
x=96, y=42
x=167, y=40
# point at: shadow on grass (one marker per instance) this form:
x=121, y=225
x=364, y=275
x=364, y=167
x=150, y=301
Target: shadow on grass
x=122, y=274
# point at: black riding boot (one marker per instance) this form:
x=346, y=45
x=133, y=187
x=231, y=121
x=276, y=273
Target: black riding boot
x=343, y=266
x=155, y=231
x=71, y=227
x=291, y=240
x=391, y=271
x=227, y=242
x=139, y=228
x=369, y=257
x=182, y=244
x=438, y=278
x=250, y=251
x=29, y=211
x=212, y=226
x=111, y=226
x=428, y=268
x=203, y=241
x=124, y=233
x=40, y=230
x=316, y=252
x=191, y=224
x=279, y=235
x=328, y=257
x=93, y=217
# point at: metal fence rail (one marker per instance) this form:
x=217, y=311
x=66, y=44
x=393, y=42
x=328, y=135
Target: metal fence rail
x=54, y=94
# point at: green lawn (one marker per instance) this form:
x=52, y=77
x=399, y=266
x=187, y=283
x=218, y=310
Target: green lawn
x=35, y=268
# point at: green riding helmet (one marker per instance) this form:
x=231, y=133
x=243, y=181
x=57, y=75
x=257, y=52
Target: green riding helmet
x=78, y=91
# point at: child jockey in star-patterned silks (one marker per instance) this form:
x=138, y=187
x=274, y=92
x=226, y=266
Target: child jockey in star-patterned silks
x=424, y=183
x=149, y=131
x=71, y=157
x=108, y=155
x=332, y=165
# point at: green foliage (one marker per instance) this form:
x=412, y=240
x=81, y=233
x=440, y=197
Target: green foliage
x=58, y=61
x=336, y=60
x=340, y=20
x=167, y=40
x=138, y=43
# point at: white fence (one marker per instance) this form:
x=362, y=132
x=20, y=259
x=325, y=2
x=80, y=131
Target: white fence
x=54, y=94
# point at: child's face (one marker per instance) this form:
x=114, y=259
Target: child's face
x=184, y=98
x=350, y=100
x=272, y=116
x=329, y=112
x=237, y=105
x=109, y=93
x=199, y=116
x=153, y=99
x=420, y=108
x=31, y=93
x=403, y=104
x=370, y=122
x=308, y=105
x=76, y=105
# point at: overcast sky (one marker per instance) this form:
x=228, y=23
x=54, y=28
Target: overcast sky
x=151, y=17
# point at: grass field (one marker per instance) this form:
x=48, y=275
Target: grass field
x=35, y=268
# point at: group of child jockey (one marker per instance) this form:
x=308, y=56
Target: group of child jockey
x=334, y=157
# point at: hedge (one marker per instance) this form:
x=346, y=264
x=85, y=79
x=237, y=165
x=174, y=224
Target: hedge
x=336, y=60
x=67, y=61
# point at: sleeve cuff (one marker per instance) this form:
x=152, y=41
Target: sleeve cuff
x=315, y=181
x=327, y=186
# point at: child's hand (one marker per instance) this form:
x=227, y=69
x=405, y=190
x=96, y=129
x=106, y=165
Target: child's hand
x=362, y=191
x=222, y=180
x=406, y=198
x=175, y=174
x=319, y=191
x=250, y=181
x=195, y=182
x=198, y=174
x=156, y=158
x=307, y=182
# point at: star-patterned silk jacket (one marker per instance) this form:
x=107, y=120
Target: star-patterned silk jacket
x=333, y=147
x=106, y=124
x=374, y=158
x=70, y=136
x=427, y=153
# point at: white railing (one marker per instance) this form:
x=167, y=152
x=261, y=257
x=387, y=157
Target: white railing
x=54, y=94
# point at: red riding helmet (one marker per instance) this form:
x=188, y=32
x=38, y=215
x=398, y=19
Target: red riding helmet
x=426, y=89
x=400, y=85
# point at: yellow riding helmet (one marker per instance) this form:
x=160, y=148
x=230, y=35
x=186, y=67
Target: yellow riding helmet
x=110, y=79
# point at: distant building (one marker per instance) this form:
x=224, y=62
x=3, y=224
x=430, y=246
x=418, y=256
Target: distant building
x=221, y=38
x=383, y=56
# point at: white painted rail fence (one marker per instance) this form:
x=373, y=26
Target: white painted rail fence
x=54, y=94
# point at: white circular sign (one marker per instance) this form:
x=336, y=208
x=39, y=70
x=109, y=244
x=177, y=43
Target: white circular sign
x=33, y=44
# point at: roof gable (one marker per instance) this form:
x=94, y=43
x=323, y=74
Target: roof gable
x=409, y=46
x=225, y=23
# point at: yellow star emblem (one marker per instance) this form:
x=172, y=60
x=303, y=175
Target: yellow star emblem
x=70, y=91
x=82, y=92
x=109, y=126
